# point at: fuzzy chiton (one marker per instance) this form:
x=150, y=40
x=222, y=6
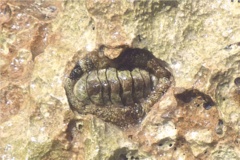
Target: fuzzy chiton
x=121, y=90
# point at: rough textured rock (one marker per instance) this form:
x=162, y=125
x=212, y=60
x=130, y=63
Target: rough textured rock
x=197, y=118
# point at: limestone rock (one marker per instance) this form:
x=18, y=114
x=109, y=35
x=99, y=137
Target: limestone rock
x=197, y=118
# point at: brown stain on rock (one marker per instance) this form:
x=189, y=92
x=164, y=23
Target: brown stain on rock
x=40, y=41
x=11, y=100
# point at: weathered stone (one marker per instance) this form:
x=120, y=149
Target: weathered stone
x=41, y=41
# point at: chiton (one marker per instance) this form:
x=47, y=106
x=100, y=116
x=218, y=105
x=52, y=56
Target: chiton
x=121, y=90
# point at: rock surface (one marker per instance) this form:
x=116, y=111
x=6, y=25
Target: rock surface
x=197, y=118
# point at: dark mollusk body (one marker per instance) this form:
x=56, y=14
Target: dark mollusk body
x=120, y=91
x=111, y=86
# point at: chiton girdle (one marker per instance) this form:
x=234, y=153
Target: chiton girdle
x=121, y=90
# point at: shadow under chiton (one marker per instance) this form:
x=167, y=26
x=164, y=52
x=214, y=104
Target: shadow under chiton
x=121, y=90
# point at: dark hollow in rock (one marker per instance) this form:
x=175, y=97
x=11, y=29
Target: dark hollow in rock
x=220, y=122
x=219, y=128
x=120, y=90
x=237, y=81
x=208, y=105
x=165, y=142
x=69, y=130
x=123, y=157
x=125, y=154
x=188, y=95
